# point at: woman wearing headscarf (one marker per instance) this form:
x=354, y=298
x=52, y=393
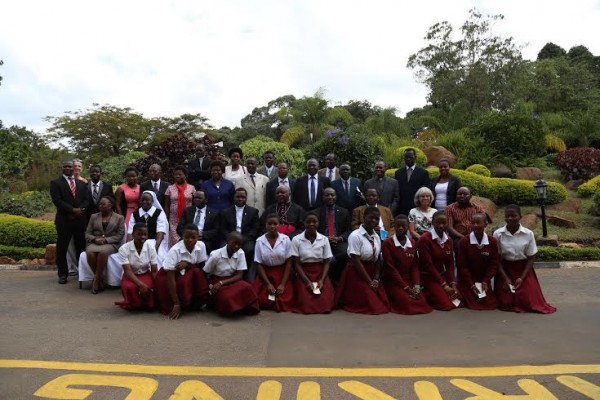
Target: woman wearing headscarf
x=152, y=214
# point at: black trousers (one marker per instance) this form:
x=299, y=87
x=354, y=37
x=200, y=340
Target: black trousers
x=65, y=230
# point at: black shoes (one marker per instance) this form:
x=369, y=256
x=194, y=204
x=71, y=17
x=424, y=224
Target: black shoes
x=62, y=279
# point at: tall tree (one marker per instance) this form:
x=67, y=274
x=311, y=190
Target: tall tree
x=361, y=110
x=479, y=69
x=551, y=50
x=100, y=132
x=270, y=120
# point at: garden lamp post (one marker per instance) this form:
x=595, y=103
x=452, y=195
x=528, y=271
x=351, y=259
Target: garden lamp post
x=540, y=189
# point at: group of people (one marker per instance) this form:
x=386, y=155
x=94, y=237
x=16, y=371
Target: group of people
x=241, y=238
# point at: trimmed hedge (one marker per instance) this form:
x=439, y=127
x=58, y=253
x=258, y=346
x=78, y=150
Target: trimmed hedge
x=24, y=232
x=502, y=190
x=479, y=169
x=19, y=253
x=548, y=253
x=589, y=188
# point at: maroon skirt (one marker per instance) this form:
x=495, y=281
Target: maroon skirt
x=402, y=303
x=355, y=295
x=528, y=297
x=131, y=295
x=434, y=293
x=192, y=289
x=307, y=302
x=238, y=297
x=473, y=302
x=284, y=301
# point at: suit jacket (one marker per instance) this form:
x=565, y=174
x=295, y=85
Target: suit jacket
x=453, y=186
x=387, y=189
x=210, y=232
x=336, y=174
x=407, y=189
x=263, y=171
x=198, y=173
x=63, y=199
x=300, y=195
x=272, y=187
x=342, y=221
x=294, y=216
x=162, y=188
x=104, y=189
x=386, y=216
x=345, y=200
x=250, y=223
x=114, y=232
x=257, y=192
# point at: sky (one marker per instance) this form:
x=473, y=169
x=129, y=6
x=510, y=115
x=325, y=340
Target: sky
x=224, y=58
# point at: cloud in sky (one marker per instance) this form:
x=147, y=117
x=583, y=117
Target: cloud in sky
x=223, y=58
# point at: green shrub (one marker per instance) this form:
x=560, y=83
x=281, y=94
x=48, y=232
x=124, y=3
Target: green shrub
x=479, y=170
x=502, y=190
x=19, y=253
x=25, y=232
x=590, y=187
x=596, y=199
x=257, y=146
x=548, y=253
x=113, y=168
x=27, y=204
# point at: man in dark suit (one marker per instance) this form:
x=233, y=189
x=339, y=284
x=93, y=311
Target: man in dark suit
x=199, y=167
x=334, y=222
x=387, y=188
x=206, y=219
x=410, y=179
x=268, y=169
x=71, y=198
x=282, y=179
x=155, y=184
x=96, y=190
x=308, y=190
x=347, y=189
x=243, y=219
x=291, y=216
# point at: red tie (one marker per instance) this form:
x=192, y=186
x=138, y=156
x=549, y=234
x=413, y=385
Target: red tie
x=330, y=224
x=73, y=188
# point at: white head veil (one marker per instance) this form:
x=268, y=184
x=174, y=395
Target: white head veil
x=155, y=202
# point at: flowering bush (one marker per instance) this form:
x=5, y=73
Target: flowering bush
x=579, y=163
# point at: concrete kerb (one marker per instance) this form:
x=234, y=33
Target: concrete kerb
x=540, y=264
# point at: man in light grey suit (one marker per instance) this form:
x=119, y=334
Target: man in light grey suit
x=255, y=185
x=387, y=188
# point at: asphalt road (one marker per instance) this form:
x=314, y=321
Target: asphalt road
x=55, y=335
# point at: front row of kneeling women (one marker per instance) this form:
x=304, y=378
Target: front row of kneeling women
x=398, y=275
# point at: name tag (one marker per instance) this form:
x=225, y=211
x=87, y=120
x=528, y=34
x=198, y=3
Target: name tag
x=485, y=253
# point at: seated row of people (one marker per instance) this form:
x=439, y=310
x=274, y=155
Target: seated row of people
x=398, y=276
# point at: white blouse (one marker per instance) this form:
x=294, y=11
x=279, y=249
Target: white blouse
x=516, y=247
x=179, y=253
x=366, y=246
x=272, y=256
x=422, y=220
x=233, y=175
x=308, y=252
x=441, y=195
x=140, y=263
x=220, y=264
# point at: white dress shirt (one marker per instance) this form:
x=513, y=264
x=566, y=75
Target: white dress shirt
x=271, y=256
x=220, y=264
x=140, y=263
x=308, y=252
x=179, y=253
x=366, y=246
x=516, y=247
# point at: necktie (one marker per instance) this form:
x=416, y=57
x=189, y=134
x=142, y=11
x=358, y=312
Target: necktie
x=312, y=191
x=156, y=187
x=346, y=188
x=330, y=175
x=253, y=182
x=73, y=187
x=95, y=193
x=330, y=223
x=409, y=172
x=197, y=219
